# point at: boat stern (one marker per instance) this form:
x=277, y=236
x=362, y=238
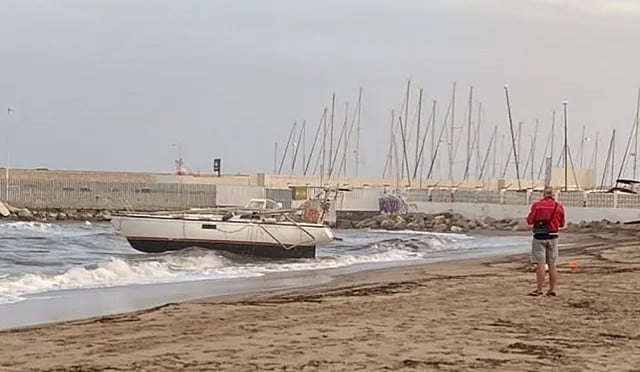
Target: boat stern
x=116, y=222
x=326, y=236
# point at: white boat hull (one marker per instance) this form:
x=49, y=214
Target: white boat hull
x=153, y=234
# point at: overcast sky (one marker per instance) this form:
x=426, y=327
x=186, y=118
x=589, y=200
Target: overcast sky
x=113, y=84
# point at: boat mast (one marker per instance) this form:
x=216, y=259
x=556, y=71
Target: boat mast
x=324, y=149
x=430, y=127
x=286, y=148
x=345, y=140
x=520, y=134
x=613, y=154
x=486, y=156
x=389, y=162
x=635, y=153
x=442, y=132
x=297, y=146
x=634, y=133
x=345, y=154
x=358, y=132
x=533, y=152
x=582, y=141
x=333, y=110
x=607, y=163
x=530, y=156
x=420, y=154
x=595, y=155
x=275, y=158
x=515, y=154
x=313, y=145
x=546, y=148
x=553, y=134
x=495, y=150
x=340, y=141
x=469, y=145
x=451, y=138
x=508, y=158
x=404, y=150
x=502, y=147
x=304, y=143
x=418, y=151
x=478, y=139
x=433, y=130
x=566, y=147
x=403, y=129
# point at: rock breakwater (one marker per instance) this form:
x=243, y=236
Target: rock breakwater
x=455, y=222
x=51, y=215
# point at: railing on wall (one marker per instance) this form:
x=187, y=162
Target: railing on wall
x=568, y=199
x=108, y=195
x=63, y=194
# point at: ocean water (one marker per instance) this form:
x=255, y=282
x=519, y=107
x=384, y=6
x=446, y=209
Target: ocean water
x=42, y=259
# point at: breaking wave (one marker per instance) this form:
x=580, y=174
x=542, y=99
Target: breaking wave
x=42, y=257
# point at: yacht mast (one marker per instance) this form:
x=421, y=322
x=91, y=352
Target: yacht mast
x=513, y=140
x=358, y=132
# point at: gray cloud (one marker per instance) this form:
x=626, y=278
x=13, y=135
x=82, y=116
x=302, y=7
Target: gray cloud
x=112, y=84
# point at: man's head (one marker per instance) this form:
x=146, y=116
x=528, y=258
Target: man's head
x=548, y=191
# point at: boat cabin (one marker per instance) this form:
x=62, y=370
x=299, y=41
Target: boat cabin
x=263, y=204
x=626, y=186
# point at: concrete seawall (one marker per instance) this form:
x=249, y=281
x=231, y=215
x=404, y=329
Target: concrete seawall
x=97, y=191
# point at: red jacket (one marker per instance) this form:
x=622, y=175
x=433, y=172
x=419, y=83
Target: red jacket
x=542, y=210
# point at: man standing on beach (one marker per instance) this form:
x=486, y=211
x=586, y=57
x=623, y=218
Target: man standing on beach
x=546, y=218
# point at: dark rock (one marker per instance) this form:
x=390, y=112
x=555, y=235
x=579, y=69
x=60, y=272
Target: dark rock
x=441, y=227
x=25, y=214
x=387, y=224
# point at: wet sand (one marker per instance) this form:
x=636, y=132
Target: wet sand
x=451, y=316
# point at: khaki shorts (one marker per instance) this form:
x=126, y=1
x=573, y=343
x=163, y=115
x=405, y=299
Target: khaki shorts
x=544, y=251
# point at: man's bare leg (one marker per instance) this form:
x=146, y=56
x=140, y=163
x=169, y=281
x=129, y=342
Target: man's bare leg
x=553, y=277
x=540, y=273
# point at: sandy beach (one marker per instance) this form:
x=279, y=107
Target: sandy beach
x=453, y=316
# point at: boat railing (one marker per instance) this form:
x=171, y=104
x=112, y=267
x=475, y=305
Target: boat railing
x=292, y=246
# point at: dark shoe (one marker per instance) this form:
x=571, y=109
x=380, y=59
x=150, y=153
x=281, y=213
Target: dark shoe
x=551, y=293
x=536, y=293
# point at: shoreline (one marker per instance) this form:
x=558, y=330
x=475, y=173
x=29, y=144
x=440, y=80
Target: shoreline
x=471, y=314
x=62, y=304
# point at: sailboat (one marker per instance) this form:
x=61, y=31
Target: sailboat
x=262, y=228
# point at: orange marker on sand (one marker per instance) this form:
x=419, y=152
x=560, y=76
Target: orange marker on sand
x=574, y=266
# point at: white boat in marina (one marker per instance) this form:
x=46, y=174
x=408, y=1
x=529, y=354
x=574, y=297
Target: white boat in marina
x=262, y=228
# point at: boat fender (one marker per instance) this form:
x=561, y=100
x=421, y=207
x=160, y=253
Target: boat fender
x=311, y=214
